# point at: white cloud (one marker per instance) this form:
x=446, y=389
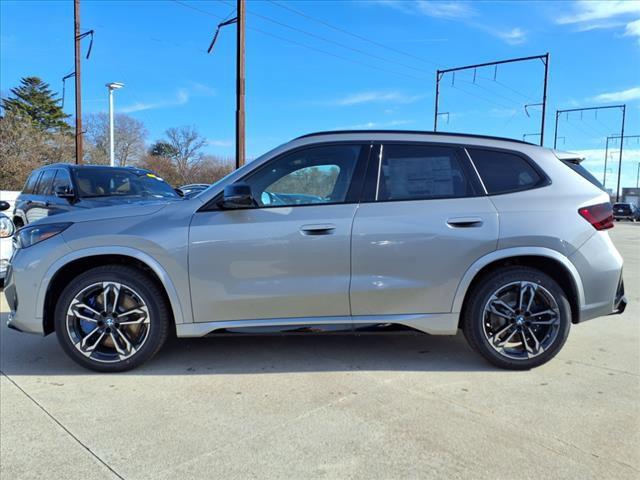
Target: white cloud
x=375, y=97
x=515, y=36
x=371, y=125
x=202, y=89
x=220, y=143
x=460, y=11
x=633, y=30
x=597, y=15
x=442, y=9
x=181, y=98
x=589, y=11
x=620, y=96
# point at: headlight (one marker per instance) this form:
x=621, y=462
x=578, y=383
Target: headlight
x=27, y=236
x=6, y=227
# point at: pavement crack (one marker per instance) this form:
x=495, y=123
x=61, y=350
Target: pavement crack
x=57, y=422
x=605, y=368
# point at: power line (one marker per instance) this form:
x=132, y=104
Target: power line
x=328, y=40
x=354, y=35
x=303, y=45
x=475, y=95
x=509, y=99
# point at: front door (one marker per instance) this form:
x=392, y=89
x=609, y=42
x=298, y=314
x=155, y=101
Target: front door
x=290, y=255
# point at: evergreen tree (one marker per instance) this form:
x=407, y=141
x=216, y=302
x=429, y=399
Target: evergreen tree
x=33, y=100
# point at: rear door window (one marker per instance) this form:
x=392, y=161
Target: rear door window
x=422, y=172
x=504, y=172
x=62, y=179
x=45, y=183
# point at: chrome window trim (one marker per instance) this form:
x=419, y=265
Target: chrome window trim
x=476, y=170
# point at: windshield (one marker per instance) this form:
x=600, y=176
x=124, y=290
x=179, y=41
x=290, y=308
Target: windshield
x=110, y=182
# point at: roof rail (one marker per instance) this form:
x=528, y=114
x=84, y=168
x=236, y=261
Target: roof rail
x=417, y=132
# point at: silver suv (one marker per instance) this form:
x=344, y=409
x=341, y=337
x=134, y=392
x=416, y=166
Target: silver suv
x=336, y=231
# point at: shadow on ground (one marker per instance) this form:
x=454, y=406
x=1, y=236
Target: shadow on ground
x=25, y=354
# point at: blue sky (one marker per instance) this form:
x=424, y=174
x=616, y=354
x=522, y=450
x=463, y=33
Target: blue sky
x=303, y=75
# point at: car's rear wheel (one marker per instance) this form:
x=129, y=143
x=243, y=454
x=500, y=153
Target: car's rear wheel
x=111, y=318
x=517, y=318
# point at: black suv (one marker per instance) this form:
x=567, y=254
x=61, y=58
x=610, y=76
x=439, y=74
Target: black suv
x=626, y=211
x=59, y=188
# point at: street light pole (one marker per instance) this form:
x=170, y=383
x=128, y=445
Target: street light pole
x=240, y=81
x=112, y=86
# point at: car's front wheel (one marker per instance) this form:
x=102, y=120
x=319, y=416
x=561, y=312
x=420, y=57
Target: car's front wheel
x=111, y=318
x=517, y=318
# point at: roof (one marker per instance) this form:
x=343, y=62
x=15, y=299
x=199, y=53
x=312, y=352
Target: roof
x=415, y=132
x=73, y=165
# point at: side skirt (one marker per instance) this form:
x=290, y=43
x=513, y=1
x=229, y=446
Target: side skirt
x=433, y=324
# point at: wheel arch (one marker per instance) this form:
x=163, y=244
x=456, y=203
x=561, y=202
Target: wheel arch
x=58, y=275
x=551, y=262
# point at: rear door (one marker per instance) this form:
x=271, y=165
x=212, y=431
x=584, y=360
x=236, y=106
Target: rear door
x=424, y=220
x=56, y=204
x=40, y=200
x=25, y=199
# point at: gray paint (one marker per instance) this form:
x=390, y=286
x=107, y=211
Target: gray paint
x=393, y=262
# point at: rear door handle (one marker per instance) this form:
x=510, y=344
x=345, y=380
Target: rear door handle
x=465, y=222
x=320, y=229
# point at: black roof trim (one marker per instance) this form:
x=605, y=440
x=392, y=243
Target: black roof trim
x=73, y=165
x=416, y=132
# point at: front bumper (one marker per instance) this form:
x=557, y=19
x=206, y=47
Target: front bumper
x=27, y=269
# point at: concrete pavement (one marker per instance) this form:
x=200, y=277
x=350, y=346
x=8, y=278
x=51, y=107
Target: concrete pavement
x=330, y=407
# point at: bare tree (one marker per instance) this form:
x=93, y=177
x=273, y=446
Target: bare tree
x=24, y=147
x=129, y=135
x=187, y=145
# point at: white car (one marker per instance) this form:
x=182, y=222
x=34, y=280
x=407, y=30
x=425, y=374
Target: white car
x=6, y=242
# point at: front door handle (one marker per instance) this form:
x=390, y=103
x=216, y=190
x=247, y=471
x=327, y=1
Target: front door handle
x=465, y=222
x=320, y=229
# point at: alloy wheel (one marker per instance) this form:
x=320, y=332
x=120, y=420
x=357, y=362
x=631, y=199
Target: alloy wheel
x=521, y=320
x=108, y=322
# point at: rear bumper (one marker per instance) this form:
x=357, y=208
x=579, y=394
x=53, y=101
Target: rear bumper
x=620, y=303
x=600, y=268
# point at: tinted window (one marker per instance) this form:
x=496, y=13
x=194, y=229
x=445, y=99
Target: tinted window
x=45, y=182
x=504, y=172
x=111, y=182
x=583, y=172
x=306, y=177
x=30, y=185
x=62, y=179
x=418, y=172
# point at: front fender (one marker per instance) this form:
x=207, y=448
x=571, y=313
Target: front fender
x=153, y=264
x=506, y=253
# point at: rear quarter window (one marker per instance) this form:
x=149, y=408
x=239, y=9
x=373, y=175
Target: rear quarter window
x=30, y=185
x=584, y=173
x=505, y=172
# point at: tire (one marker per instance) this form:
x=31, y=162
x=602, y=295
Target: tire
x=129, y=318
x=540, y=327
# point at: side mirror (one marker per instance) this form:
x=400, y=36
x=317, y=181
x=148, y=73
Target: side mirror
x=62, y=191
x=4, y=205
x=237, y=195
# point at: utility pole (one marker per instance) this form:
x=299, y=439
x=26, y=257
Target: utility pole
x=240, y=123
x=76, y=22
x=624, y=111
x=545, y=60
x=638, y=176
x=606, y=152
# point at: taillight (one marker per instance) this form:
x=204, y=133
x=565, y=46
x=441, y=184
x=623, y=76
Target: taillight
x=600, y=216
